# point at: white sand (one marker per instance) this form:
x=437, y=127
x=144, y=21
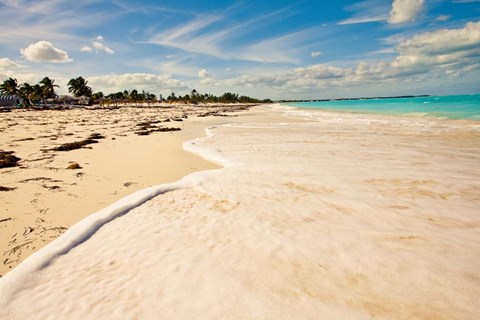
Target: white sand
x=341, y=217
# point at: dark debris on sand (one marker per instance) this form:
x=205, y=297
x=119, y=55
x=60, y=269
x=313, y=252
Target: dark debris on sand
x=145, y=128
x=2, y=188
x=7, y=159
x=93, y=138
x=159, y=129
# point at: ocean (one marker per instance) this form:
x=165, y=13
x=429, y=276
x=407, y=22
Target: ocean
x=443, y=107
x=314, y=215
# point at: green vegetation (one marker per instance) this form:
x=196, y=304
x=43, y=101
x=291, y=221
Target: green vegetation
x=45, y=89
x=40, y=92
x=78, y=87
x=227, y=97
x=10, y=87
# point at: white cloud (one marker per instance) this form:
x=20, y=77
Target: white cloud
x=142, y=81
x=86, y=49
x=362, y=19
x=44, y=51
x=321, y=71
x=315, y=54
x=7, y=63
x=205, y=77
x=419, y=58
x=23, y=76
x=366, y=11
x=443, y=42
x=184, y=66
x=27, y=21
x=447, y=51
x=283, y=48
x=382, y=51
x=427, y=55
x=99, y=46
x=187, y=37
x=200, y=36
x=249, y=80
x=405, y=10
x=202, y=74
x=443, y=17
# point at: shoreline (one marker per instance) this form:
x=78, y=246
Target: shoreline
x=348, y=219
x=47, y=198
x=464, y=108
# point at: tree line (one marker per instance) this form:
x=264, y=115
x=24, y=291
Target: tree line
x=41, y=91
x=45, y=89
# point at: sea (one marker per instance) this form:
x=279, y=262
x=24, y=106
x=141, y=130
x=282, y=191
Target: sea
x=337, y=214
x=465, y=107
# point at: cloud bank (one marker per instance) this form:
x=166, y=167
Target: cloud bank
x=142, y=81
x=447, y=52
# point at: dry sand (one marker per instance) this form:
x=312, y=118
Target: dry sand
x=48, y=198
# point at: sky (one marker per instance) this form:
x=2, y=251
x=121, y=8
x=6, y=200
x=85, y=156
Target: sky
x=281, y=49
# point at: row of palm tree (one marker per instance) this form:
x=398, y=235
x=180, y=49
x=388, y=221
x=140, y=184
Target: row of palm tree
x=132, y=96
x=227, y=97
x=135, y=96
x=41, y=91
x=45, y=89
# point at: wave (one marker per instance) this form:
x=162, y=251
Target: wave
x=312, y=217
x=86, y=228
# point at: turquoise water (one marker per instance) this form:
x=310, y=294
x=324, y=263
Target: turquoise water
x=450, y=107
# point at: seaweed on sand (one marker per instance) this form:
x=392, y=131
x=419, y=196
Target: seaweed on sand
x=7, y=159
x=80, y=144
x=74, y=145
x=2, y=188
x=159, y=129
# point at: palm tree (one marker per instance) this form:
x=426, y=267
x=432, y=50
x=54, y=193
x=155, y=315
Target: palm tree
x=134, y=97
x=9, y=87
x=48, y=87
x=172, y=97
x=27, y=92
x=38, y=93
x=79, y=87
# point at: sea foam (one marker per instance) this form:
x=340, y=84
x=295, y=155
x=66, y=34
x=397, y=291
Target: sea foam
x=318, y=215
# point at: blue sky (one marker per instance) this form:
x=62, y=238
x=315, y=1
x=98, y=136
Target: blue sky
x=277, y=49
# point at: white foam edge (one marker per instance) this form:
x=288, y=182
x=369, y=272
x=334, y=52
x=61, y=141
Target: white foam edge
x=293, y=112
x=87, y=227
x=214, y=156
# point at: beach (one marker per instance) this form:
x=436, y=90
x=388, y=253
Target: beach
x=308, y=214
x=270, y=160
x=42, y=197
